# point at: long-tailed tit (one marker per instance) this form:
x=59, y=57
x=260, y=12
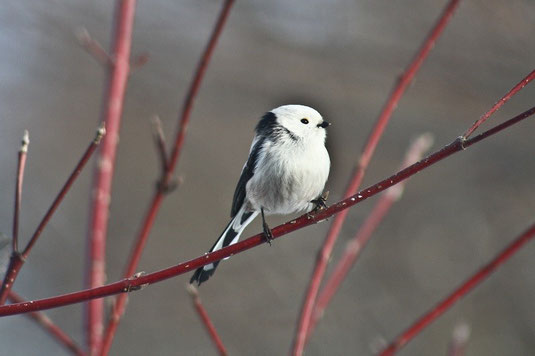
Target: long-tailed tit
x=285, y=173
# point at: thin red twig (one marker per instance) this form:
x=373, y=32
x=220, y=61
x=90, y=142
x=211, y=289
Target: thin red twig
x=460, y=292
x=101, y=194
x=48, y=325
x=194, y=293
x=101, y=131
x=499, y=103
x=369, y=149
x=355, y=246
x=154, y=206
x=18, y=259
x=138, y=281
x=21, y=164
x=459, y=339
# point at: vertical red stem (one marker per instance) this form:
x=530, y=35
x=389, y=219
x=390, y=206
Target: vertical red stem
x=369, y=149
x=101, y=194
x=53, y=330
x=460, y=292
x=16, y=261
x=184, y=117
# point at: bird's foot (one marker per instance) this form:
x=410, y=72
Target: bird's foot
x=268, y=235
x=319, y=203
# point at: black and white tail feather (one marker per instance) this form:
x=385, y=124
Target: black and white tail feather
x=230, y=236
x=286, y=172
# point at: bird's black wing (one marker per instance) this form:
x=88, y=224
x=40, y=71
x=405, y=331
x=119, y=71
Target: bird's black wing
x=264, y=130
x=246, y=174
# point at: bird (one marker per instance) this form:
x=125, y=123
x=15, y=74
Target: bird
x=285, y=173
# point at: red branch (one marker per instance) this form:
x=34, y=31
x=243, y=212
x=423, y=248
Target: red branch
x=138, y=281
x=194, y=293
x=358, y=174
x=101, y=194
x=355, y=246
x=499, y=103
x=48, y=325
x=156, y=201
x=460, y=292
x=18, y=259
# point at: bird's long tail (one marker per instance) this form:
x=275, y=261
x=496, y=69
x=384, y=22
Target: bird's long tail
x=230, y=236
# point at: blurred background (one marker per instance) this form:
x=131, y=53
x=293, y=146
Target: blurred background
x=340, y=56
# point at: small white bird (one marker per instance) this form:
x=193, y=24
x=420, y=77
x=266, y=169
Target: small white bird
x=285, y=173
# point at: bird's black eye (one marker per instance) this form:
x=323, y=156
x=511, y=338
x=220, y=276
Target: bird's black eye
x=304, y=121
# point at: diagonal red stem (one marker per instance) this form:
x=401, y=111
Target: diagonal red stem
x=137, y=282
x=112, y=110
x=460, y=292
x=158, y=195
x=369, y=149
x=48, y=325
x=499, y=103
x=207, y=322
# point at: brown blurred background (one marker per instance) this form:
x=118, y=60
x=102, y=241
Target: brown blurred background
x=341, y=57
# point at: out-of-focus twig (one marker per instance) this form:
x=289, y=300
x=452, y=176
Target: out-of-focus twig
x=93, y=47
x=358, y=174
x=458, y=293
x=48, y=325
x=194, y=293
x=137, y=282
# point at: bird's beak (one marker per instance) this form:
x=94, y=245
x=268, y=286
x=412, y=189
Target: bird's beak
x=324, y=124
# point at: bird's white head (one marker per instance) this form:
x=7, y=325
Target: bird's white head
x=302, y=121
